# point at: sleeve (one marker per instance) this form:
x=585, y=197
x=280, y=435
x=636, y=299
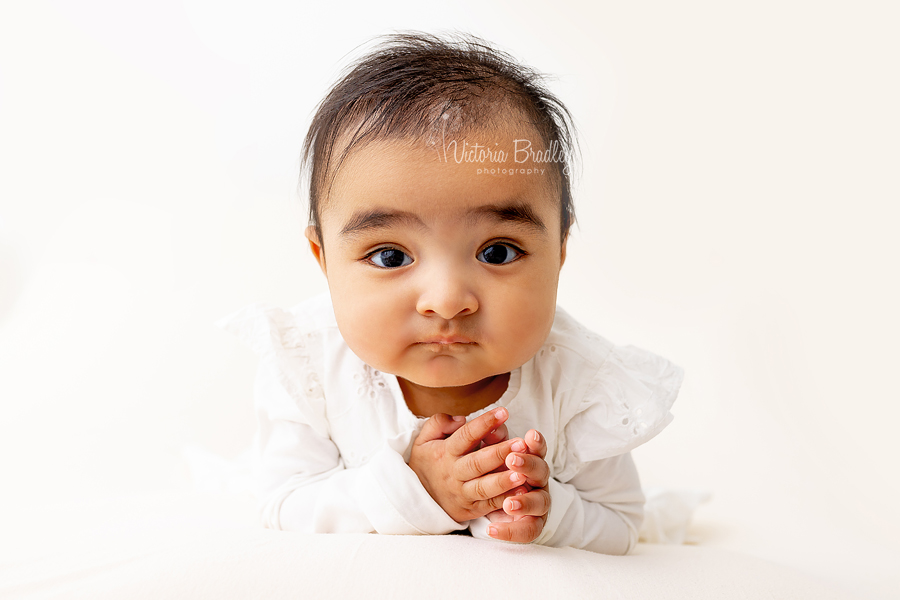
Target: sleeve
x=301, y=483
x=600, y=509
x=625, y=404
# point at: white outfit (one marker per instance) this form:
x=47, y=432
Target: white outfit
x=335, y=435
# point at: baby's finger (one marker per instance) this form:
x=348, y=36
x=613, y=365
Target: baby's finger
x=535, y=503
x=483, y=461
x=499, y=516
x=534, y=467
x=523, y=530
x=495, y=505
x=470, y=435
x=496, y=436
x=499, y=435
x=493, y=485
x=536, y=443
x=438, y=427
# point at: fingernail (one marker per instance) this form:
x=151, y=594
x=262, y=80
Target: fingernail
x=516, y=477
x=514, y=505
x=500, y=413
x=518, y=446
x=518, y=461
x=535, y=436
x=458, y=418
x=492, y=531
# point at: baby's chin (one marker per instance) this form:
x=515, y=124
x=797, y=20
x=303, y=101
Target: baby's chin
x=449, y=378
x=440, y=382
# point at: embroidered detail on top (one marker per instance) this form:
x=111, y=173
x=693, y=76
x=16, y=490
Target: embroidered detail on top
x=632, y=417
x=369, y=383
x=298, y=345
x=633, y=406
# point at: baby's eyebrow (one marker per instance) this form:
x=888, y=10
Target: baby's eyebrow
x=366, y=220
x=518, y=212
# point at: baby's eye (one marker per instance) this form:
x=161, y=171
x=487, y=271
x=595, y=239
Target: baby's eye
x=498, y=254
x=390, y=258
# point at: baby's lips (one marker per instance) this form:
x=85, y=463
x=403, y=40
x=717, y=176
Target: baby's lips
x=446, y=340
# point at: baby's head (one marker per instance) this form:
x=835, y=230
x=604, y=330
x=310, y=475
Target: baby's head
x=440, y=207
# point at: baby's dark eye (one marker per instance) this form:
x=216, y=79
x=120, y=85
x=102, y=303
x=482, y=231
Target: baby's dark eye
x=390, y=258
x=498, y=254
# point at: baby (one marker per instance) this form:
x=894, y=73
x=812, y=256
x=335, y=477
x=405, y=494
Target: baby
x=438, y=387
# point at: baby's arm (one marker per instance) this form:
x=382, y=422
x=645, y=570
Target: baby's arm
x=307, y=488
x=303, y=484
x=604, y=507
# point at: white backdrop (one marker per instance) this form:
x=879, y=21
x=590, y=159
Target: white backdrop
x=737, y=211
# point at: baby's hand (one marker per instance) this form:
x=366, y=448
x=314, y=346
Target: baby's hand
x=456, y=472
x=500, y=434
x=525, y=512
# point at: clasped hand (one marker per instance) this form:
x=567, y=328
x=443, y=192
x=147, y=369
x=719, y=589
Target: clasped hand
x=472, y=470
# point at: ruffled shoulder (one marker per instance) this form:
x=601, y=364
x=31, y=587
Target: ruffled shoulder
x=626, y=404
x=290, y=344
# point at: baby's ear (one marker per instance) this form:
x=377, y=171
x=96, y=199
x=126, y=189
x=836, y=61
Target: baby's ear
x=562, y=252
x=315, y=245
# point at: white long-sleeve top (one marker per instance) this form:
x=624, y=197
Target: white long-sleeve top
x=335, y=435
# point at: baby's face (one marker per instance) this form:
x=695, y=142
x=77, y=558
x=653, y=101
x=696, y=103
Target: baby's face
x=439, y=274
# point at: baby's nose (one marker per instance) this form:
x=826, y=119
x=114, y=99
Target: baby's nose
x=447, y=293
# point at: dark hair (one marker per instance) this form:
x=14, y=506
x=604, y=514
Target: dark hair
x=412, y=81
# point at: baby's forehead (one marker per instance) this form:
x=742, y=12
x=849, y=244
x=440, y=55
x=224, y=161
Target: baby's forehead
x=465, y=181
x=504, y=140
x=499, y=155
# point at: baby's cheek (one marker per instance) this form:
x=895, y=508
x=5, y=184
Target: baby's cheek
x=368, y=333
x=525, y=341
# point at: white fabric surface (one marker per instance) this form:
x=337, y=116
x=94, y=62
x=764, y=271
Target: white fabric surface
x=335, y=435
x=198, y=546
